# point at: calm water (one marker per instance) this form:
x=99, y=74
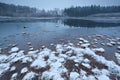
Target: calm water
x=45, y=32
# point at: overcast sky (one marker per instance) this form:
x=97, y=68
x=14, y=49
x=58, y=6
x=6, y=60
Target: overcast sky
x=51, y=4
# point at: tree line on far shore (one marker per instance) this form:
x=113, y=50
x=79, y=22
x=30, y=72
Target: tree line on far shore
x=90, y=10
x=24, y=11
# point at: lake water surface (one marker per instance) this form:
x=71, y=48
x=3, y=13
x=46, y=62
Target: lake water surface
x=45, y=32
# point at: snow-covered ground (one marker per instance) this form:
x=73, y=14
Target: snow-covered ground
x=66, y=62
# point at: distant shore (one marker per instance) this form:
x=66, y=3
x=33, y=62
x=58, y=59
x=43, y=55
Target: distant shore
x=91, y=18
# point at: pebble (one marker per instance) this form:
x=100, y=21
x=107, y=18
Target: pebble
x=118, y=43
x=14, y=45
x=109, y=44
x=103, y=44
x=78, y=44
x=31, y=48
x=29, y=43
x=14, y=49
x=95, y=40
x=23, y=32
x=113, y=43
x=43, y=47
x=118, y=47
x=52, y=44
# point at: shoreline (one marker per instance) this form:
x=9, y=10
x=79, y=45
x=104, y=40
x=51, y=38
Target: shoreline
x=109, y=43
x=94, y=19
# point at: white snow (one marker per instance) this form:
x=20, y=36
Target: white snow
x=14, y=76
x=29, y=76
x=82, y=39
x=118, y=57
x=56, y=62
x=98, y=50
x=16, y=56
x=105, y=72
x=24, y=70
x=86, y=65
x=59, y=48
x=3, y=58
x=31, y=48
x=91, y=77
x=52, y=44
x=14, y=49
x=96, y=71
x=12, y=68
x=103, y=77
x=47, y=75
x=86, y=60
x=33, y=52
x=112, y=66
x=56, y=68
x=4, y=67
x=85, y=45
x=38, y=63
x=80, y=42
x=74, y=76
x=82, y=72
x=26, y=59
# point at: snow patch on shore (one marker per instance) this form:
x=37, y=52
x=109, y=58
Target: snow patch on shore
x=56, y=65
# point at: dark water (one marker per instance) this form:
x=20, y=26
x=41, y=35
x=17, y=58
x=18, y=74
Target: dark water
x=88, y=23
x=45, y=32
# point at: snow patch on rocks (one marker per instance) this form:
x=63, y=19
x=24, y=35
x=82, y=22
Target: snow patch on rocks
x=74, y=76
x=4, y=67
x=29, y=76
x=14, y=49
x=103, y=77
x=14, y=76
x=118, y=57
x=98, y=50
x=3, y=58
x=12, y=68
x=24, y=70
x=55, y=63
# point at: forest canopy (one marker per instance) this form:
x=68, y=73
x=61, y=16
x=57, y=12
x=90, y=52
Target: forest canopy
x=89, y=10
x=24, y=11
